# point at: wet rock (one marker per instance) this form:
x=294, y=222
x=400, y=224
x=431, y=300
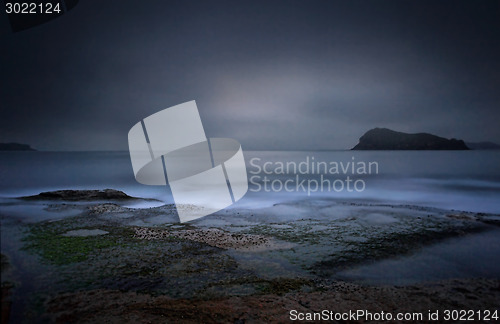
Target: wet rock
x=215, y=237
x=81, y=195
x=85, y=232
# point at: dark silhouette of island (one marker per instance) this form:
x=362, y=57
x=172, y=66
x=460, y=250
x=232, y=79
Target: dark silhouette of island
x=483, y=146
x=79, y=195
x=15, y=147
x=386, y=139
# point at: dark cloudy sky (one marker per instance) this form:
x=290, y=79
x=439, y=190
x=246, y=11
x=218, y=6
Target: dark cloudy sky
x=271, y=74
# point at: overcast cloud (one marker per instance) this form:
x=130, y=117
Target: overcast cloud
x=272, y=74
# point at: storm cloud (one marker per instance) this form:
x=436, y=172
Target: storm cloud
x=276, y=75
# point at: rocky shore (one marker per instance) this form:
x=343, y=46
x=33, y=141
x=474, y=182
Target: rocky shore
x=105, y=262
x=217, y=238
x=111, y=306
x=81, y=195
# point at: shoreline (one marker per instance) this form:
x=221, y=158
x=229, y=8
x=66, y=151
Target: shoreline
x=281, y=255
x=338, y=297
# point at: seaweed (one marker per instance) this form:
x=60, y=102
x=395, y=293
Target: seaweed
x=47, y=240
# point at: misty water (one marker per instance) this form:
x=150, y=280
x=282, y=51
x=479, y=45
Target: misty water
x=460, y=180
x=472, y=256
x=450, y=180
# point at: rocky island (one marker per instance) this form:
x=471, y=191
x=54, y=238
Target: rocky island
x=81, y=195
x=387, y=139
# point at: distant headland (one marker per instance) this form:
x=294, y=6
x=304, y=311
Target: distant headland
x=15, y=147
x=387, y=139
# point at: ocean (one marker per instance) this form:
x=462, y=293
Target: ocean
x=459, y=180
x=307, y=183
